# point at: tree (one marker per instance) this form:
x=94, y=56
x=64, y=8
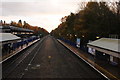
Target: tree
x=13, y=23
x=63, y=19
x=1, y=23
x=4, y=23
x=19, y=23
x=94, y=19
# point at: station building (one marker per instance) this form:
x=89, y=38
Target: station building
x=21, y=32
x=12, y=38
x=106, y=49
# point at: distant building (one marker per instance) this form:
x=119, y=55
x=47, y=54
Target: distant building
x=12, y=38
x=107, y=49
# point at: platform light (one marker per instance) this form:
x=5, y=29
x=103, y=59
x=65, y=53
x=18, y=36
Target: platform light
x=49, y=57
x=104, y=54
x=83, y=36
x=97, y=37
x=67, y=34
x=40, y=34
x=59, y=34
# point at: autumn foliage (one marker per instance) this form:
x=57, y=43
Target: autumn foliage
x=94, y=19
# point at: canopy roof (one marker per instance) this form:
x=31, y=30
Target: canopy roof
x=7, y=37
x=16, y=29
x=20, y=29
x=107, y=43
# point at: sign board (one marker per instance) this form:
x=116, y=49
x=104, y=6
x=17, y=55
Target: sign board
x=111, y=58
x=78, y=42
x=91, y=50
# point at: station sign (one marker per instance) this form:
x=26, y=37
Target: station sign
x=78, y=42
x=91, y=50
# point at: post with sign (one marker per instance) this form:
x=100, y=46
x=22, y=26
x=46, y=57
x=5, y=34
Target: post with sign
x=78, y=42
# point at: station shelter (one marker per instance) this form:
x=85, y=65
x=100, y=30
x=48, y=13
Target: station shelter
x=106, y=49
x=6, y=42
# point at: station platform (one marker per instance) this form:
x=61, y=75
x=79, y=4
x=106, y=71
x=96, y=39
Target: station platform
x=12, y=53
x=107, y=70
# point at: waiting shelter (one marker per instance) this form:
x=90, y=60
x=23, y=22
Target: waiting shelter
x=107, y=48
x=6, y=42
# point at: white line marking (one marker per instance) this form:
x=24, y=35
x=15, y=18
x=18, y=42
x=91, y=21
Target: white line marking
x=26, y=69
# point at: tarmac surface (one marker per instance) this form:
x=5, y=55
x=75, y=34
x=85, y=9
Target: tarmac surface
x=48, y=59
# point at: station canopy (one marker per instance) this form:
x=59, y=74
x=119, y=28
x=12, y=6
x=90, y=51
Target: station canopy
x=13, y=28
x=107, y=43
x=20, y=29
x=8, y=37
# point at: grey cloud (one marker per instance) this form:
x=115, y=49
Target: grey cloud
x=29, y=8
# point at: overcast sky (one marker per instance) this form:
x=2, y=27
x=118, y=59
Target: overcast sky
x=42, y=13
